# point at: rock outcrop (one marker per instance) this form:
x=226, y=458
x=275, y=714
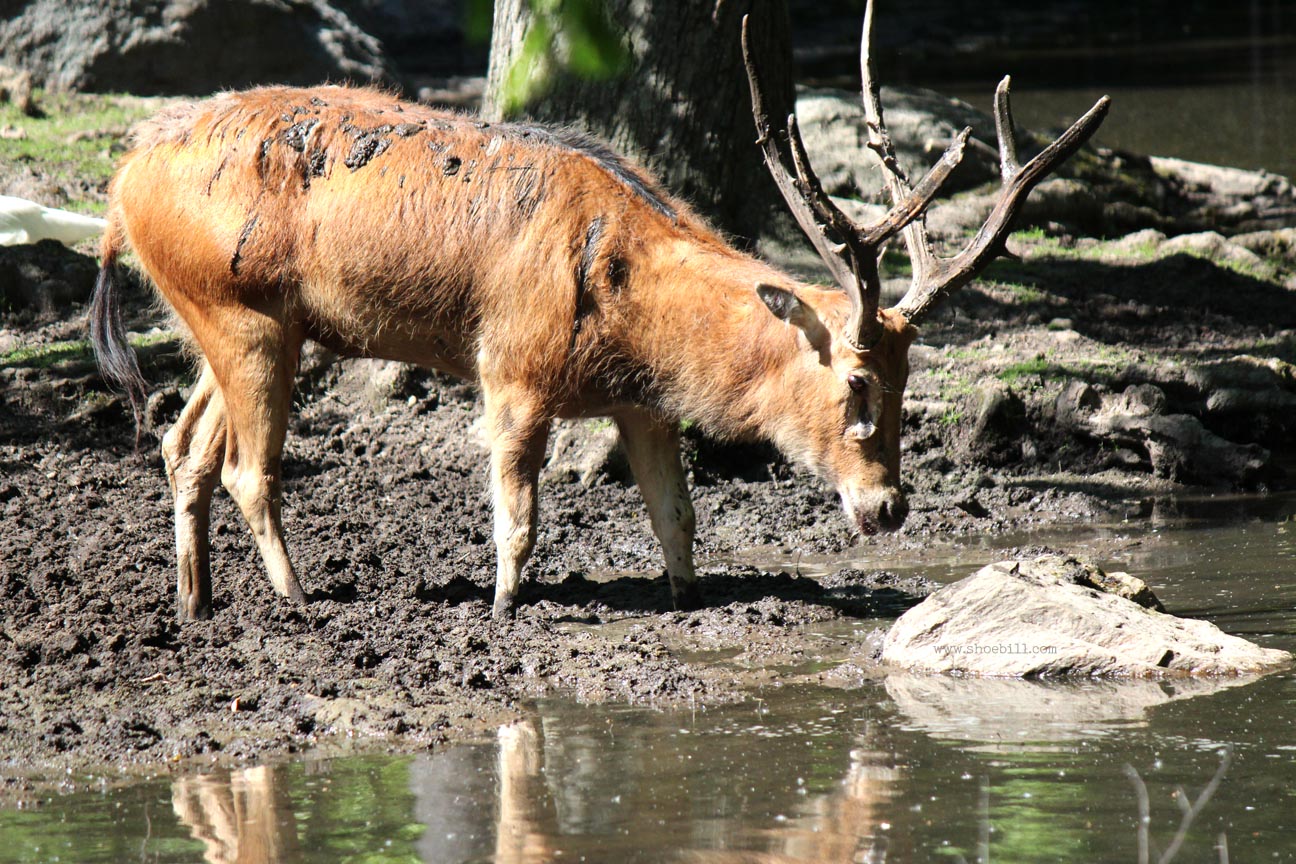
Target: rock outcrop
x=187, y=46
x=1055, y=616
x=1178, y=446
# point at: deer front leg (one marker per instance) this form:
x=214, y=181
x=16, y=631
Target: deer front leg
x=518, y=431
x=653, y=449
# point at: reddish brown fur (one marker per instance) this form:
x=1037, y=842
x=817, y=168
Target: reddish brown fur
x=461, y=246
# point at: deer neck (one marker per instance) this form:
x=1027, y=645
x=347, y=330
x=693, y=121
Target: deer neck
x=719, y=357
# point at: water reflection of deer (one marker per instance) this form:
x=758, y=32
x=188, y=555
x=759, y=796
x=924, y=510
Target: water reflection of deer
x=242, y=816
x=843, y=827
x=526, y=826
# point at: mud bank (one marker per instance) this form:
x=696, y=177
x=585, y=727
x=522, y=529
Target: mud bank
x=388, y=517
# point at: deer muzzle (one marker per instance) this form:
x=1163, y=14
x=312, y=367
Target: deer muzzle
x=874, y=510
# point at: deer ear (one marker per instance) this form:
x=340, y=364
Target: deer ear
x=782, y=302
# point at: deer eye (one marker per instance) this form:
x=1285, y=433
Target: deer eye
x=857, y=383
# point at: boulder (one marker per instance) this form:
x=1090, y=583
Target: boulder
x=586, y=451
x=921, y=122
x=1055, y=616
x=187, y=46
x=1178, y=446
x=421, y=37
x=1213, y=246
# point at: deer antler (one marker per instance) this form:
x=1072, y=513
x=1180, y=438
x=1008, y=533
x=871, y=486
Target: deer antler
x=850, y=250
x=935, y=278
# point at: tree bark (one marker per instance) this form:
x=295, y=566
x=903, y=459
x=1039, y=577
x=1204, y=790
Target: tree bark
x=682, y=107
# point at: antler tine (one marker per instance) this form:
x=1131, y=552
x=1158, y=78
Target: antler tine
x=915, y=232
x=1005, y=131
x=950, y=274
x=910, y=208
x=850, y=250
x=831, y=232
x=811, y=189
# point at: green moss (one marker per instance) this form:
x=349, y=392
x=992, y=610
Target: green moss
x=45, y=356
x=74, y=139
x=1148, y=250
x=73, y=351
x=979, y=351
x=1031, y=234
x=1026, y=369
x=1022, y=293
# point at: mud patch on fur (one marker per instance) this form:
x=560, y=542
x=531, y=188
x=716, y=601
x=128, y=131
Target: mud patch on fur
x=216, y=175
x=295, y=136
x=237, y=259
x=367, y=145
x=528, y=191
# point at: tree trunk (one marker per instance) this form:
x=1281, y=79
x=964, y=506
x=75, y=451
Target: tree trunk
x=682, y=107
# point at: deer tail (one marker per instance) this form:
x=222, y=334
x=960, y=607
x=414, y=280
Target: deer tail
x=117, y=361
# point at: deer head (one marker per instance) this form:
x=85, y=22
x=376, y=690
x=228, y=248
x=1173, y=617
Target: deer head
x=870, y=348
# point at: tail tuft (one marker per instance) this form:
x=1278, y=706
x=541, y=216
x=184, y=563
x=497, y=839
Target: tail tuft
x=116, y=357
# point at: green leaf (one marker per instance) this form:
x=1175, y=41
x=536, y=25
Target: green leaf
x=564, y=35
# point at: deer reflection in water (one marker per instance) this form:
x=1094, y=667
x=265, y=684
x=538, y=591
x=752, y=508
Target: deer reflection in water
x=527, y=824
x=241, y=816
x=842, y=827
x=247, y=815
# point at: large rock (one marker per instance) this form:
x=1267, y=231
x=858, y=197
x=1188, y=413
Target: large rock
x=921, y=122
x=421, y=37
x=186, y=46
x=1178, y=446
x=1054, y=616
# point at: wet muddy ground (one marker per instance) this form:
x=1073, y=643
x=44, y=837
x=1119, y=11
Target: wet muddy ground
x=387, y=514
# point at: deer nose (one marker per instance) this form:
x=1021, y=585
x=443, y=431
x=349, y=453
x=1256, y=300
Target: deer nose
x=892, y=511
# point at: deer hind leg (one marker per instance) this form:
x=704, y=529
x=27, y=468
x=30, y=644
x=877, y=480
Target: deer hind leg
x=193, y=450
x=255, y=358
x=518, y=429
x=653, y=450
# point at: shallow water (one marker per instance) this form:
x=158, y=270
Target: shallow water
x=1243, y=125
x=909, y=769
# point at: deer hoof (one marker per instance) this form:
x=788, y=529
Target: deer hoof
x=197, y=613
x=688, y=598
x=505, y=609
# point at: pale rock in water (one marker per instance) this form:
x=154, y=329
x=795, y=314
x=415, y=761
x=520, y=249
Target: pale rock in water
x=1055, y=616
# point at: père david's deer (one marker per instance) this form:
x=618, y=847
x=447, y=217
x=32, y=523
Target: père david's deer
x=534, y=261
